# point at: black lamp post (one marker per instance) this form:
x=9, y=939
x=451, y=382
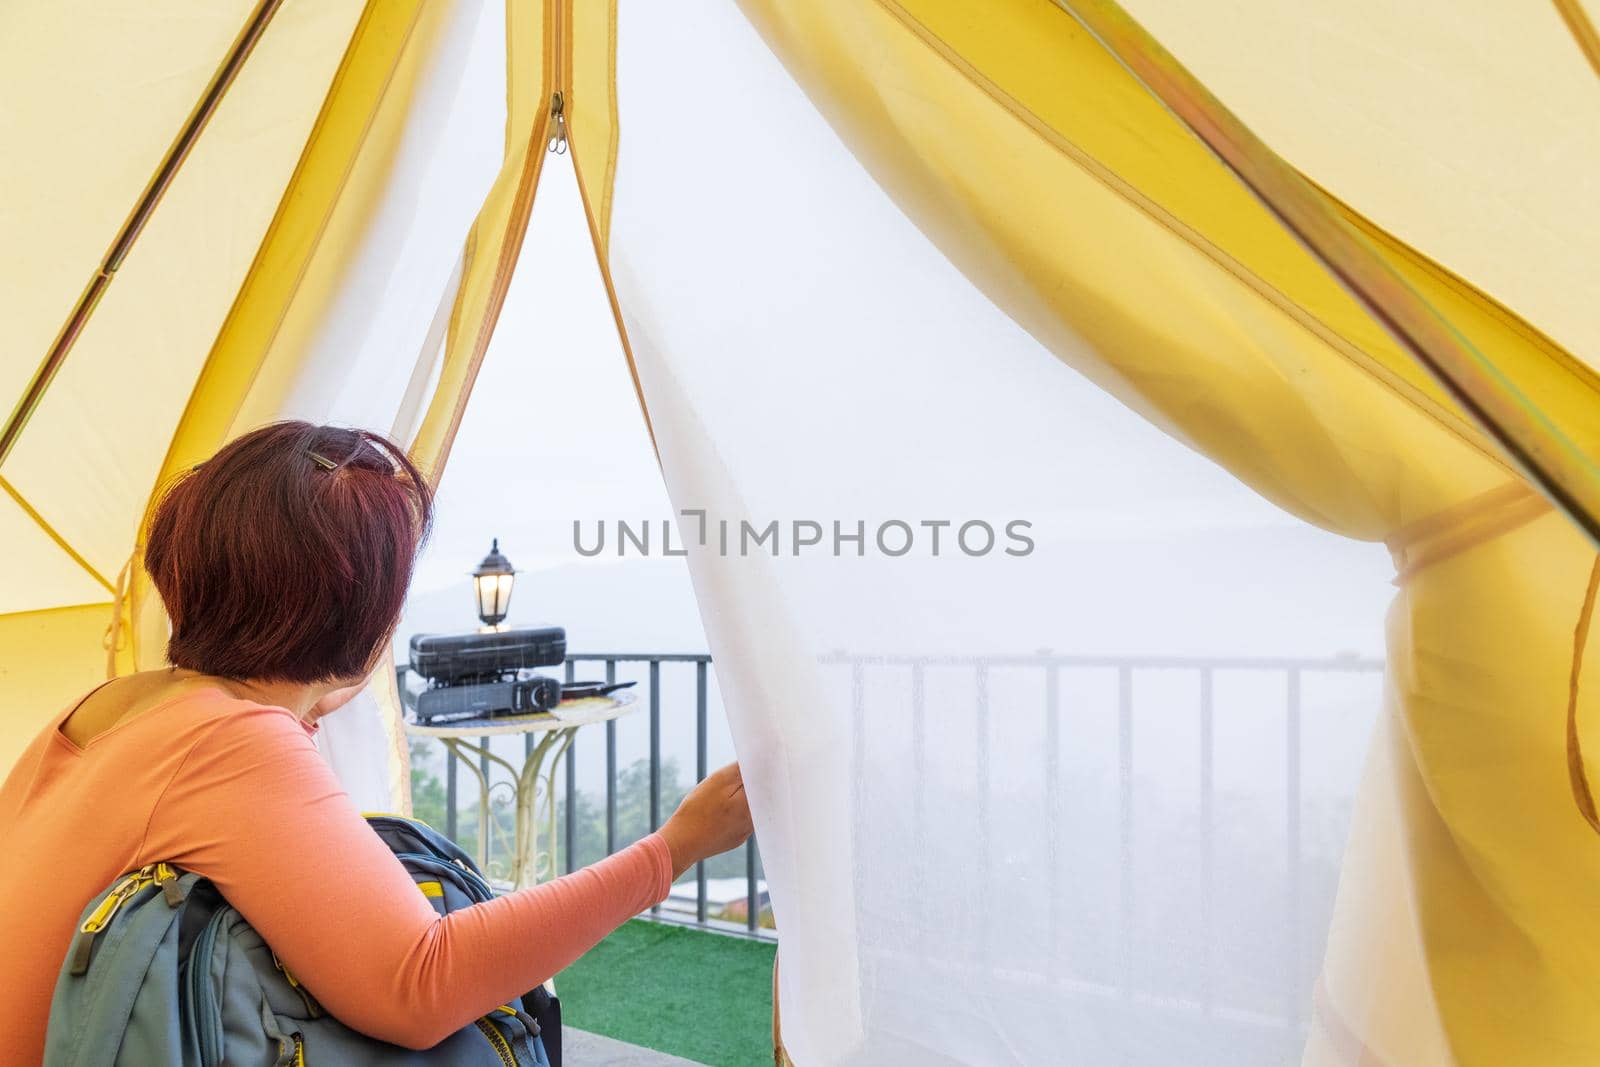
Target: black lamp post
x=491, y=583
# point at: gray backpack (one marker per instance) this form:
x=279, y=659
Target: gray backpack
x=163, y=971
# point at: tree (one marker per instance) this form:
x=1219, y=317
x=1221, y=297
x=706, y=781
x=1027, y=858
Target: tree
x=428, y=802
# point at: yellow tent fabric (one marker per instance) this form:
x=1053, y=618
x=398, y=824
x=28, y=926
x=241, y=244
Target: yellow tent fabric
x=85, y=465
x=1077, y=202
x=1129, y=151
x=1068, y=194
x=215, y=315
x=1465, y=129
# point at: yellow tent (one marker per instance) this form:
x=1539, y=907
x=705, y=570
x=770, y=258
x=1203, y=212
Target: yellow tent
x=1356, y=273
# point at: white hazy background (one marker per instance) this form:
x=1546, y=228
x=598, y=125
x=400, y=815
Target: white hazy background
x=553, y=435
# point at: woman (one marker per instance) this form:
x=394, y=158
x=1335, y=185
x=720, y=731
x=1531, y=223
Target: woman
x=283, y=564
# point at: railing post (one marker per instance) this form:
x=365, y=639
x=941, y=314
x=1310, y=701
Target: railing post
x=655, y=745
x=1052, y=806
x=858, y=746
x=485, y=809
x=700, y=775
x=611, y=768
x=451, y=824
x=655, y=754
x=752, y=901
x=1125, y=813
x=572, y=791
x=985, y=854
x=1292, y=764
x=919, y=797
x=1207, y=842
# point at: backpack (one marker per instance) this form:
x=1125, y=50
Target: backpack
x=163, y=971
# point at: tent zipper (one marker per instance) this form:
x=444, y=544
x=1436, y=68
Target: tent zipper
x=558, y=123
x=558, y=71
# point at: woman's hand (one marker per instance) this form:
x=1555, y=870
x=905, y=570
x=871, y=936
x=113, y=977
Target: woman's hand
x=713, y=818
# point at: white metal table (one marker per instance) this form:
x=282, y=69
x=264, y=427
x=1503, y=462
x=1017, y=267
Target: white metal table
x=530, y=865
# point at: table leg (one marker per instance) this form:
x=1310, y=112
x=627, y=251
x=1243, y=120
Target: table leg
x=530, y=864
x=550, y=796
x=472, y=757
x=534, y=865
x=467, y=756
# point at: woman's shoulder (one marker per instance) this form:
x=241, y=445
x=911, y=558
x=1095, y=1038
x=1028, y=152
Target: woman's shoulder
x=183, y=716
x=211, y=709
x=222, y=739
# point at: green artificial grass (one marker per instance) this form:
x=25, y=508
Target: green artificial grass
x=703, y=996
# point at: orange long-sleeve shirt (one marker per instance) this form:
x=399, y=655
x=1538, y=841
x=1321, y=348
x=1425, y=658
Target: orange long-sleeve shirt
x=237, y=792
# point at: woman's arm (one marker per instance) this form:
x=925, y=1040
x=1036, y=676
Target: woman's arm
x=256, y=809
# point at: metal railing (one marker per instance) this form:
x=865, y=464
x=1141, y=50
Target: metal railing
x=651, y=664
x=912, y=674
x=1289, y=672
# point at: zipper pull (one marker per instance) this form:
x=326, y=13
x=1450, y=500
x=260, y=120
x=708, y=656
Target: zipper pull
x=100, y=918
x=82, y=948
x=558, y=121
x=166, y=877
x=528, y=1021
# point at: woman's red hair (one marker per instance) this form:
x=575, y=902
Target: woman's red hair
x=286, y=556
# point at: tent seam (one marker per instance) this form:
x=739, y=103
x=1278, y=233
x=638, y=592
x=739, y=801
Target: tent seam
x=1585, y=375
x=510, y=251
x=333, y=201
x=55, y=609
x=1534, y=444
x=133, y=226
x=602, y=256
x=1450, y=531
x=274, y=226
x=1582, y=30
x=609, y=180
x=513, y=236
x=1130, y=194
x=137, y=592
x=1577, y=775
x=54, y=535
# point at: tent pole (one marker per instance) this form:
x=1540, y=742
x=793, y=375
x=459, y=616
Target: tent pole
x=154, y=190
x=1583, y=31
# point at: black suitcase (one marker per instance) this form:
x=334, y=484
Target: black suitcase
x=454, y=659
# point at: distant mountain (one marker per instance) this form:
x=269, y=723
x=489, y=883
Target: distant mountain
x=633, y=605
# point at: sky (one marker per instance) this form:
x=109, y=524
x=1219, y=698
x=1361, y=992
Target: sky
x=553, y=434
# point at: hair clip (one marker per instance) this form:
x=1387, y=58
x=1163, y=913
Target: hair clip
x=322, y=461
